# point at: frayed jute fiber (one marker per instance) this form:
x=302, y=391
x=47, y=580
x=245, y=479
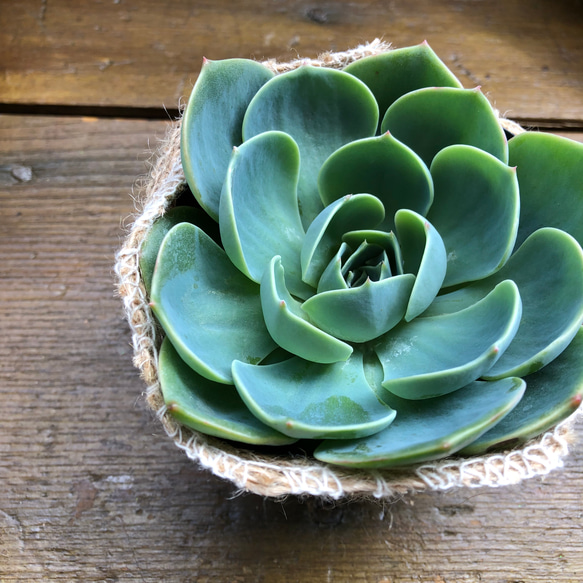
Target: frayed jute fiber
x=276, y=475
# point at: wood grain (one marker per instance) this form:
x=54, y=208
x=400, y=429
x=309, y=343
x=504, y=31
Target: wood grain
x=90, y=489
x=124, y=54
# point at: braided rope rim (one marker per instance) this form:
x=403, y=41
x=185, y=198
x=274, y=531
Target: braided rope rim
x=277, y=476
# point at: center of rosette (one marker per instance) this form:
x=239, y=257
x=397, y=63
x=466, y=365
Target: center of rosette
x=362, y=256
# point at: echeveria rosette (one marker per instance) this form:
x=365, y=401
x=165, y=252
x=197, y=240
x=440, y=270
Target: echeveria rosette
x=371, y=263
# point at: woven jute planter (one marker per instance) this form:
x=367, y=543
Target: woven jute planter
x=277, y=475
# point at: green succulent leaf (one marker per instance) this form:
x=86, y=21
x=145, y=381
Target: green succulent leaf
x=548, y=270
x=381, y=166
x=361, y=313
x=431, y=429
x=554, y=300
x=210, y=311
x=551, y=187
x=324, y=235
x=397, y=72
x=321, y=109
x=332, y=277
x=259, y=217
x=424, y=256
x=475, y=210
x=434, y=356
x=212, y=123
x=209, y=407
x=428, y=120
x=316, y=401
x=289, y=325
x=386, y=241
x=552, y=394
x=152, y=242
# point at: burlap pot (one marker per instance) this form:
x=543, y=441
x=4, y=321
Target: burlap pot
x=280, y=475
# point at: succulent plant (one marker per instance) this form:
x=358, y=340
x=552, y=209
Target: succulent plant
x=370, y=263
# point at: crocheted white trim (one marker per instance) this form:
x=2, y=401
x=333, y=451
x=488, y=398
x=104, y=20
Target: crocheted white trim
x=269, y=475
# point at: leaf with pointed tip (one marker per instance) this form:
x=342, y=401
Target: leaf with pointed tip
x=321, y=109
x=212, y=123
x=424, y=256
x=288, y=324
x=551, y=395
x=316, y=401
x=427, y=430
x=209, y=407
x=381, y=166
x=361, y=313
x=475, y=210
x=400, y=71
x=258, y=213
x=387, y=241
x=324, y=235
x=548, y=270
x=152, y=242
x=332, y=277
x=429, y=357
x=428, y=120
x=550, y=174
x=210, y=311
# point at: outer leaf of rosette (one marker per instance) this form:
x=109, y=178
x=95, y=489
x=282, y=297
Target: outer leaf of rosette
x=548, y=270
x=428, y=430
x=324, y=236
x=152, y=242
x=400, y=71
x=430, y=357
x=210, y=311
x=212, y=123
x=362, y=313
x=288, y=324
x=475, y=210
x=322, y=109
x=207, y=406
x=552, y=394
x=424, y=256
x=550, y=174
x=381, y=166
x=258, y=214
x=430, y=119
x=311, y=400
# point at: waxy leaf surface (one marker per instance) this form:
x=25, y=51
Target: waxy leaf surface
x=551, y=187
x=212, y=123
x=475, y=210
x=259, y=215
x=207, y=406
x=381, y=166
x=316, y=401
x=424, y=255
x=428, y=120
x=289, y=325
x=361, y=313
x=210, y=311
x=548, y=270
x=151, y=245
x=431, y=429
x=324, y=235
x=429, y=357
x=394, y=73
x=321, y=109
x=551, y=395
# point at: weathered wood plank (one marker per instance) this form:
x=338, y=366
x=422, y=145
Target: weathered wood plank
x=527, y=56
x=90, y=488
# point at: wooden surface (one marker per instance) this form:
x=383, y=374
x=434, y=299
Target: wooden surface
x=90, y=489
